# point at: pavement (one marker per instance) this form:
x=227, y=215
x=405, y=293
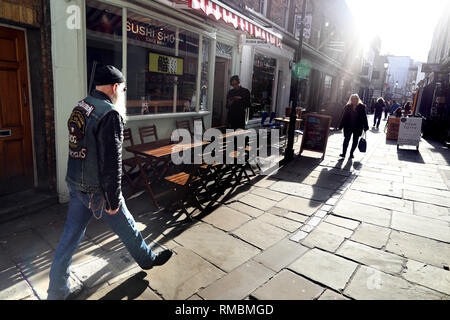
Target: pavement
x=375, y=227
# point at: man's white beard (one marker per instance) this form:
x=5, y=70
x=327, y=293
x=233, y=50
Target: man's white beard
x=120, y=105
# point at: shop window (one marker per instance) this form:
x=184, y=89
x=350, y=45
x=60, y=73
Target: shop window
x=262, y=85
x=327, y=83
x=103, y=37
x=162, y=68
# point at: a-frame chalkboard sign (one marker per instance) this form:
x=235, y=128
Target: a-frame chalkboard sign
x=315, y=133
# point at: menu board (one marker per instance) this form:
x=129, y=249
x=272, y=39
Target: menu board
x=315, y=133
x=410, y=131
x=392, y=129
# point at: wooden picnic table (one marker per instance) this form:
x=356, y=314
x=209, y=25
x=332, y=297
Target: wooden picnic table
x=157, y=153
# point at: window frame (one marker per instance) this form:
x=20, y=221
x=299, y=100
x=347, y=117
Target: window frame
x=125, y=6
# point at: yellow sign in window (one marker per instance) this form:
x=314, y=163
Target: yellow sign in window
x=166, y=64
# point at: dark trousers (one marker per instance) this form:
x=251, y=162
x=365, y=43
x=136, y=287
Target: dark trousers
x=385, y=114
x=347, y=136
x=377, y=119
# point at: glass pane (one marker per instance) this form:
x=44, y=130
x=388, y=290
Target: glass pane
x=262, y=85
x=204, y=78
x=279, y=10
x=162, y=67
x=103, y=37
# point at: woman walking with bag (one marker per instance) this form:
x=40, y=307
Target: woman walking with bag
x=354, y=121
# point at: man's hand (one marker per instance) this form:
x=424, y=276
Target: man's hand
x=112, y=212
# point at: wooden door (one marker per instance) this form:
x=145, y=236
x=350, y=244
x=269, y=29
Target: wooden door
x=16, y=162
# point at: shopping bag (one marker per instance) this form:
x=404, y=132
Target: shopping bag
x=362, y=145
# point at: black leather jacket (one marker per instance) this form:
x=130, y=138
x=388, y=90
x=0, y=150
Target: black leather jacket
x=109, y=136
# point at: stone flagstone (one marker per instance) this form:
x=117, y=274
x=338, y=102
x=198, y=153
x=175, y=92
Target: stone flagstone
x=431, y=211
x=182, y=276
x=281, y=254
x=378, y=259
x=257, y=202
x=428, y=276
x=323, y=240
x=325, y=268
x=381, y=201
x=280, y=222
x=371, y=235
x=239, y=283
x=419, y=248
x=216, y=246
x=372, y=284
x=226, y=218
x=302, y=190
x=300, y=205
x=362, y=212
x=260, y=234
x=331, y=295
x=287, y=285
x=422, y=226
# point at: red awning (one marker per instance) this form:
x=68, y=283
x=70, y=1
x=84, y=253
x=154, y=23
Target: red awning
x=220, y=11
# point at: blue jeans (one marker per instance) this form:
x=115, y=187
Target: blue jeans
x=78, y=217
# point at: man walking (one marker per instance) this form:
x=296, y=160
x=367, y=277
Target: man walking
x=238, y=100
x=93, y=177
x=379, y=107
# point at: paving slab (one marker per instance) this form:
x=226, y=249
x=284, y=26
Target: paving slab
x=226, y=218
x=280, y=254
x=428, y=276
x=427, y=198
x=332, y=295
x=260, y=234
x=380, y=201
x=372, y=284
x=99, y=270
x=419, y=248
x=363, y=212
x=378, y=259
x=331, y=228
x=269, y=194
x=239, y=283
x=302, y=190
x=258, y=202
x=243, y=208
x=422, y=226
x=342, y=222
x=13, y=286
x=424, y=182
x=299, y=235
x=431, y=211
x=371, y=235
x=265, y=183
x=380, y=188
x=288, y=285
x=26, y=245
x=216, y=246
x=325, y=268
x=323, y=240
x=182, y=276
x=300, y=205
x=280, y=222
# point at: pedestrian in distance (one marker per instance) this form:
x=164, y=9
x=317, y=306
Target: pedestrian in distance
x=395, y=106
x=407, y=108
x=354, y=122
x=379, y=108
x=387, y=108
x=94, y=174
x=238, y=100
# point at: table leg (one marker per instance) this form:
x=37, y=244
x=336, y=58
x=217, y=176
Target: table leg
x=147, y=183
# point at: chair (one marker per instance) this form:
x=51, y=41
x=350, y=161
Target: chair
x=199, y=119
x=128, y=165
x=148, y=131
x=184, y=124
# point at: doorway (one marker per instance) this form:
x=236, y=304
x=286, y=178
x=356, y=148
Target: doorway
x=16, y=157
x=221, y=88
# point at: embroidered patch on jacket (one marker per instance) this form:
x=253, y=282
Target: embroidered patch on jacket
x=77, y=131
x=87, y=108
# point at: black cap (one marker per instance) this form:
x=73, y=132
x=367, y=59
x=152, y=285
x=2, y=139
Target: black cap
x=108, y=74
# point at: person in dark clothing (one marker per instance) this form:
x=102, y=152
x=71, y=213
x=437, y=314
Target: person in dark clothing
x=354, y=121
x=407, y=108
x=395, y=106
x=94, y=174
x=238, y=100
x=379, y=107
